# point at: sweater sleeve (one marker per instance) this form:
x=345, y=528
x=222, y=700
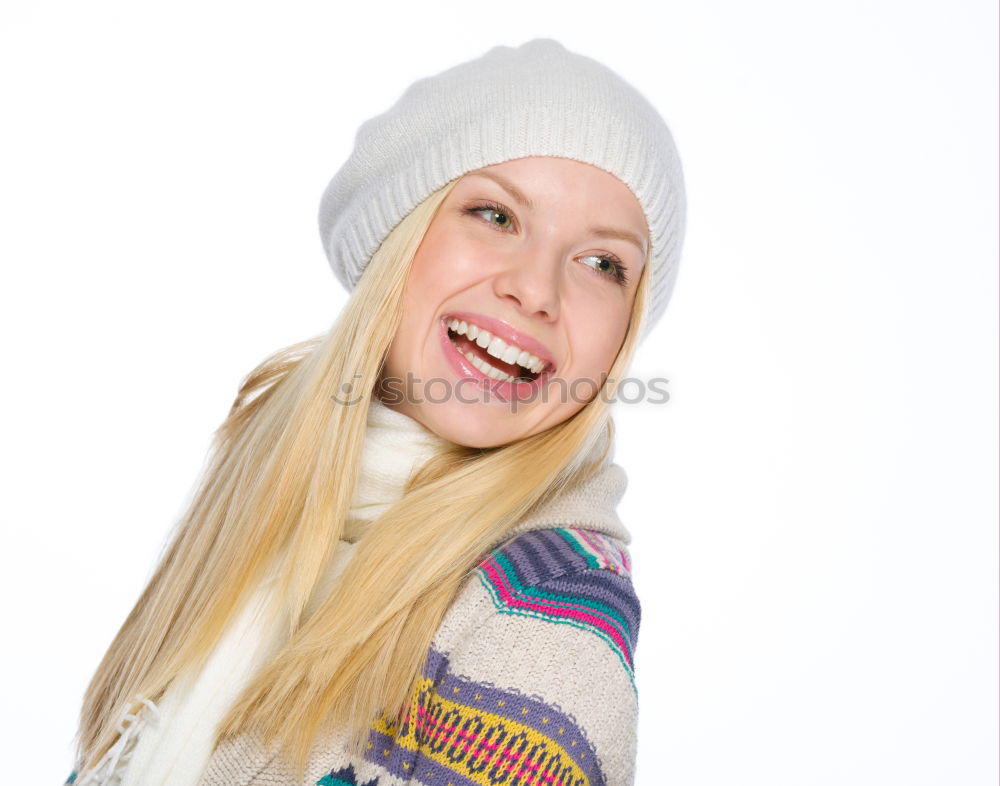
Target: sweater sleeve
x=538, y=689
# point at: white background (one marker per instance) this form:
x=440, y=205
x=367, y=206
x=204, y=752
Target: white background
x=814, y=513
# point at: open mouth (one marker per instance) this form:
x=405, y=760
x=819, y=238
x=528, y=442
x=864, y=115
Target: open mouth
x=494, y=357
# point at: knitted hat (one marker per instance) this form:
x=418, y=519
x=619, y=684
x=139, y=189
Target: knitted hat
x=537, y=99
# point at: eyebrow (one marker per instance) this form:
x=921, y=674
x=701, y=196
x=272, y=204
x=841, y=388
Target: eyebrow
x=521, y=197
x=618, y=234
x=507, y=186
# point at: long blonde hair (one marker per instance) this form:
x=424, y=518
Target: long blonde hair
x=274, y=496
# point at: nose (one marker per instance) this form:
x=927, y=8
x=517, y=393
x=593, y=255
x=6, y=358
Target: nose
x=530, y=280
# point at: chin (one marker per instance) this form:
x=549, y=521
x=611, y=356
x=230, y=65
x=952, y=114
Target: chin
x=476, y=425
x=468, y=425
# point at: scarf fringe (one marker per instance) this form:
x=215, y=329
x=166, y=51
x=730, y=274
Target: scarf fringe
x=108, y=771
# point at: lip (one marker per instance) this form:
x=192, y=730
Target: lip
x=505, y=332
x=504, y=391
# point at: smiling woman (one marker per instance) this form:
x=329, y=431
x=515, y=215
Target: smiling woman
x=403, y=562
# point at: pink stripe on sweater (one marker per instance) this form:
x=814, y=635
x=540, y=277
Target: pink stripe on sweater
x=575, y=612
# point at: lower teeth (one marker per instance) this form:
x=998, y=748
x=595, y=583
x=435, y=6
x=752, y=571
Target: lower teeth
x=489, y=370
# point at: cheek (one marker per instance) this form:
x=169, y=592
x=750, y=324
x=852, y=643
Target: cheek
x=427, y=276
x=600, y=340
x=443, y=266
x=603, y=355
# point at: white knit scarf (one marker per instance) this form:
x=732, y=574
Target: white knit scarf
x=178, y=734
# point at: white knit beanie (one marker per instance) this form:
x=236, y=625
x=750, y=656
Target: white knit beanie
x=537, y=99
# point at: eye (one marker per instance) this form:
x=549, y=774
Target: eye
x=606, y=265
x=497, y=215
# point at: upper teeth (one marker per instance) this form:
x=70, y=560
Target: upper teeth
x=508, y=353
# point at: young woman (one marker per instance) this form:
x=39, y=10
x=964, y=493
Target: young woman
x=403, y=563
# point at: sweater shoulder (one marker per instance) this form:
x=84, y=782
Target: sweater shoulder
x=547, y=553
x=567, y=576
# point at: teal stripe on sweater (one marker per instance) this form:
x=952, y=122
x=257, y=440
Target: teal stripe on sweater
x=575, y=544
x=538, y=594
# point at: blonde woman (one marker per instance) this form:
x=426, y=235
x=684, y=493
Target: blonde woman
x=403, y=562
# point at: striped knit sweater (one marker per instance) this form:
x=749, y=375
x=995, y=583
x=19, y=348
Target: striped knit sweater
x=529, y=678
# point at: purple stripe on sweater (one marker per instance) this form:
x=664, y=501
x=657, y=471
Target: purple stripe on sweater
x=529, y=560
x=435, y=665
x=542, y=554
x=540, y=563
x=606, y=588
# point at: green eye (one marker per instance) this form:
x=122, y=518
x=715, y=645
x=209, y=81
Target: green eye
x=504, y=218
x=494, y=213
x=606, y=266
x=603, y=264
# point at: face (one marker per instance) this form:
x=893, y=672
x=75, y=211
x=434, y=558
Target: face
x=517, y=301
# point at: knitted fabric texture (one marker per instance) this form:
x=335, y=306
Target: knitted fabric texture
x=537, y=99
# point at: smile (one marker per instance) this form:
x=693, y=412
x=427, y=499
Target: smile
x=510, y=356
x=516, y=365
